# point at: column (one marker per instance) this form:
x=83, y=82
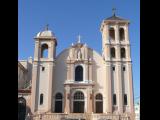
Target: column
x=86, y=53
x=93, y=101
x=128, y=52
x=118, y=53
x=130, y=95
x=119, y=87
x=36, y=50
x=72, y=74
x=117, y=33
x=33, y=90
x=90, y=71
x=106, y=41
x=67, y=99
x=89, y=99
x=126, y=33
x=68, y=72
x=108, y=52
x=71, y=53
x=103, y=36
x=107, y=34
x=108, y=88
x=86, y=72
x=51, y=51
x=51, y=78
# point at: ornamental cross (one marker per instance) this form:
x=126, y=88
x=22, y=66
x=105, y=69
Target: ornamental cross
x=113, y=11
x=79, y=38
x=47, y=26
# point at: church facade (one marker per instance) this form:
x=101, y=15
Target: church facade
x=80, y=83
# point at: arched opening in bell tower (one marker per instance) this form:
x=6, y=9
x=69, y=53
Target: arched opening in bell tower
x=121, y=34
x=113, y=52
x=123, y=53
x=111, y=34
x=44, y=51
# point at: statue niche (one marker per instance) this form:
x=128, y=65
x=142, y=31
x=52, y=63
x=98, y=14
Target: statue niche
x=79, y=54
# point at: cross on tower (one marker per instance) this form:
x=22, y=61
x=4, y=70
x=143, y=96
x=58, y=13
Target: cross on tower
x=47, y=27
x=79, y=38
x=113, y=11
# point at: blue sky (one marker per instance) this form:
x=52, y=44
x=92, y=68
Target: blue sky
x=69, y=18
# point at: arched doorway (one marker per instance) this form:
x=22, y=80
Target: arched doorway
x=99, y=103
x=58, y=103
x=78, y=102
x=21, y=108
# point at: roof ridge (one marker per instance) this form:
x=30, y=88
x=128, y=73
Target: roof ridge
x=115, y=17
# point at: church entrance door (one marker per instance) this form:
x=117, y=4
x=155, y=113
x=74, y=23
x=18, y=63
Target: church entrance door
x=78, y=107
x=78, y=102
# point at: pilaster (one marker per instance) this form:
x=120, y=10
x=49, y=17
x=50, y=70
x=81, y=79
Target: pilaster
x=126, y=33
x=89, y=99
x=37, y=50
x=119, y=88
x=130, y=95
x=86, y=72
x=33, y=90
x=117, y=33
x=67, y=99
x=51, y=80
x=108, y=88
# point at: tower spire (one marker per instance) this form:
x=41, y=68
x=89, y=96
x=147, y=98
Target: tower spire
x=46, y=28
x=79, y=39
x=113, y=11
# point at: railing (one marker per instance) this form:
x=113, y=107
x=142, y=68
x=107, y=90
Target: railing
x=27, y=85
x=76, y=116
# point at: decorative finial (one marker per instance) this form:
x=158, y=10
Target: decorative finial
x=85, y=44
x=79, y=39
x=47, y=27
x=113, y=11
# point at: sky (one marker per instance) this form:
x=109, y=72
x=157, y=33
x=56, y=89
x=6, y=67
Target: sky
x=69, y=18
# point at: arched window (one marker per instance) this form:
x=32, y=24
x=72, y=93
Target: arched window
x=21, y=108
x=113, y=52
x=99, y=103
x=41, y=99
x=78, y=102
x=121, y=34
x=114, y=99
x=123, y=53
x=111, y=34
x=125, y=99
x=44, y=51
x=58, y=103
x=79, y=73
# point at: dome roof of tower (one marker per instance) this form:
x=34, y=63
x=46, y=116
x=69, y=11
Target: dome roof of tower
x=116, y=18
x=46, y=33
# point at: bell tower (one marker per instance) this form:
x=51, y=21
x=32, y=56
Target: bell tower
x=116, y=54
x=43, y=71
